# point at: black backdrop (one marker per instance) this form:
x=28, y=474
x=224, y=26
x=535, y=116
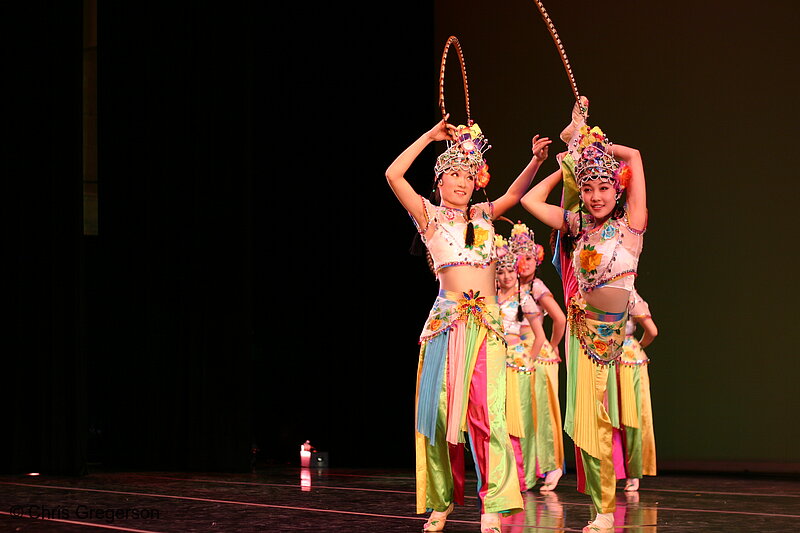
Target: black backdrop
x=250, y=285
x=210, y=315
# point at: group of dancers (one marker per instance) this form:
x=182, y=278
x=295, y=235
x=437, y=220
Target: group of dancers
x=487, y=378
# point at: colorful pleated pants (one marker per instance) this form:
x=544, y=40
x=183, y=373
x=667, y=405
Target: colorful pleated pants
x=587, y=419
x=549, y=431
x=461, y=399
x=637, y=438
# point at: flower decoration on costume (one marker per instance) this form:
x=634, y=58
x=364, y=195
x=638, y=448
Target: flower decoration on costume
x=538, y=254
x=472, y=303
x=608, y=232
x=627, y=350
x=465, y=152
x=590, y=259
x=594, y=159
x=481, y=236
x=600, y=346
x=483, y=177
x=605, y=330
x=435, y=324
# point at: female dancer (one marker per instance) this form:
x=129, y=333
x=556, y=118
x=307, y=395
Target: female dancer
x=604, y=240
x=549, y=443
x=524, y=338
x=461, y=376
x=634, y=391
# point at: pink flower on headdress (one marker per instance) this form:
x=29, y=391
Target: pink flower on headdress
x=624, y=175
x=468, y=146
x=539, y=254
x=482, y=179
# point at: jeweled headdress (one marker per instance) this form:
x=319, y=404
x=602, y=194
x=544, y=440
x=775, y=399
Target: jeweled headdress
x=465, y=153
x=593, y=157
x=505, y=258
x=522, y=242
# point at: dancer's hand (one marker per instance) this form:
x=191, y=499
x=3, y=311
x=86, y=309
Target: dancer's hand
x=578, y=119
x=442, y=131
x=540, y=147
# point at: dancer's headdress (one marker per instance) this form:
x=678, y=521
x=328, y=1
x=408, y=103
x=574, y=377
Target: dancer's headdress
x=522, y=242
x=465, y=151
x=594, y=159
x=506, y=259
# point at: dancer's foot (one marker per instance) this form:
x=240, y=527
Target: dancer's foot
x=578, y=120
x=551, y=481
x=602, y=523
x=632, y=485
x=490, y=523
x=437, y=519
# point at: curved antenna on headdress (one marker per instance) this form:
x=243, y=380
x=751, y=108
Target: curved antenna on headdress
x=506, y=219
x=563, y=53
x=453, y=40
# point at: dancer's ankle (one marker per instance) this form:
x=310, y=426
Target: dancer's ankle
x=490, y=523
x=602, y=523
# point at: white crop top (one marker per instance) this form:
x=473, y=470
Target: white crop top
x=446, y=243
x=604, y=256
x=508, y=308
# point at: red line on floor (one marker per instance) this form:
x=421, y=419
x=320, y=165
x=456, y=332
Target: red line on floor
x=76, y=522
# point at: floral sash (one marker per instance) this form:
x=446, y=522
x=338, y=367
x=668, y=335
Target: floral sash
x=451, y=306
x=601, y=334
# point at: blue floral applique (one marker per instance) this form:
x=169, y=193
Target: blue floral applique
x=608, y=232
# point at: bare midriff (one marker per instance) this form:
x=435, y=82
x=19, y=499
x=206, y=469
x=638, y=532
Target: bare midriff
x=461, y=278
x=609, y=299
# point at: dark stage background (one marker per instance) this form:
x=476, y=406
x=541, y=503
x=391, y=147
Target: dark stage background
x=250, y=286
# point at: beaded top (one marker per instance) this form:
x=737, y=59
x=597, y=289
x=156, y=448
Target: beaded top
x=604, y=256
x=445, y=232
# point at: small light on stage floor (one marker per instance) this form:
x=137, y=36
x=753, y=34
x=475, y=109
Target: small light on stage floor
x=32, y=474
x=305, y=454
x=305, y=480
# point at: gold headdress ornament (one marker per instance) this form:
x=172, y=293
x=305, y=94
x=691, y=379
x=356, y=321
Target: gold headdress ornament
x=465, y=151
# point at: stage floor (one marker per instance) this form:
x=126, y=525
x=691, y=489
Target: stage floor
x=331, y=499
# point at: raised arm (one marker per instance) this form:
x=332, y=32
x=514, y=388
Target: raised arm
x=395, y=174
x=535, y=202
x=636, y=191
x=549, y=304
x=540, y=148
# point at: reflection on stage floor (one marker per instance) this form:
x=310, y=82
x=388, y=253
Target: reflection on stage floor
x=359, y=500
